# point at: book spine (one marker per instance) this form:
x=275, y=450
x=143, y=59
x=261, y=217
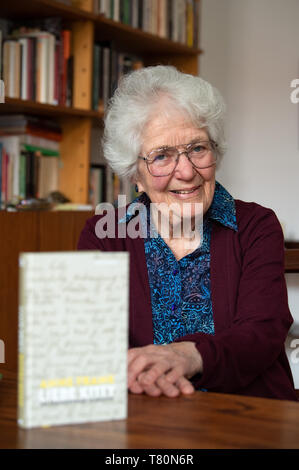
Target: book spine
x=44, y=69
x=154, y=17
x=66, y=54
x=56, y=73
x=6, y=66
x=134, y=22
x=34, y=69
x=12, y=146
x=106, y=74
x=96, y=76
x=17, y=80
x=24, y=68
x=44, y=151
x=44, y=133
x=42, y=142
x=190, y=23
x=140, y=14
x=30, y=178
x=12, y=69
x=38, y=71
x=116, y=10
x=51, y=69
x=10, y=169
x=126, y=12
x=22, y=176
x=69, y=83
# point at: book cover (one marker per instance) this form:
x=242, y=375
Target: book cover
x=73, y=330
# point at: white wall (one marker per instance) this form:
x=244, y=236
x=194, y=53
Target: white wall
x=251, y=54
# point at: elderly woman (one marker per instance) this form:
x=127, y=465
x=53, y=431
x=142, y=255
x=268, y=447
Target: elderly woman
x=208, y=309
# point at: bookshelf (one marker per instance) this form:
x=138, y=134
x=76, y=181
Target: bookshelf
x=47, y=231
x=77, y=121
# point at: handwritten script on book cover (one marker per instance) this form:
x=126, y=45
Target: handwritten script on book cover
x=73, y=336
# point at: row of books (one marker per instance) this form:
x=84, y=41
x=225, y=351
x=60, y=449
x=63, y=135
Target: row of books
x=108, y=67
x=177, y=20
x=106, y=186
x=97, y=184
x=38, y=65
x=29, y=158
x=28, y=172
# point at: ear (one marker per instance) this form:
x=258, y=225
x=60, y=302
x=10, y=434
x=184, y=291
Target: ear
x=137, y=181
x=139, y=186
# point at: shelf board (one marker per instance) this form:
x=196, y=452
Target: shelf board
x=130, y=39
x=15, y=105
x=16, y=9
x=292, y=260
x=124, y=37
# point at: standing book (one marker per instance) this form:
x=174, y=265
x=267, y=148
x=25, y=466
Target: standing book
x=73, y=330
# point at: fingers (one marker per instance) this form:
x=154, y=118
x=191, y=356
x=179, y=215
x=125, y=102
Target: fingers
x=147, y=361
x=162, y=387
x=185, y=386
x=157, y=370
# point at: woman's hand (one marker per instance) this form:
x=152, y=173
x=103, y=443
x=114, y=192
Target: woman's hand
x=157, y=370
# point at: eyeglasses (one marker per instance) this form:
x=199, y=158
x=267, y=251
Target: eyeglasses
x=163, y=161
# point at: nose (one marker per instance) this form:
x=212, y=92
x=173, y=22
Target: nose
x=184, y=169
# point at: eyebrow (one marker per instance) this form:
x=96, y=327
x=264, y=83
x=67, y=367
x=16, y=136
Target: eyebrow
x=193, y=141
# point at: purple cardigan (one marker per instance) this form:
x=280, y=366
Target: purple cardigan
x=246, y=355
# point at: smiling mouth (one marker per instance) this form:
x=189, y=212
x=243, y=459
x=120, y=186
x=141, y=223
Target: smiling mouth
x=185, y=191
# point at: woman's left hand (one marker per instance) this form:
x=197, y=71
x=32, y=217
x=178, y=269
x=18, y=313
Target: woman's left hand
x=157, y=370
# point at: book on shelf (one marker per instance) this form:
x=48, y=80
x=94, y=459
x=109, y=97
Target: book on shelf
x=38, y=64
x=13, y=124
x=172, y=19
x=122, y=187
x=29, y=167
x=109, y=66
x=72, y=348
x=97, y=184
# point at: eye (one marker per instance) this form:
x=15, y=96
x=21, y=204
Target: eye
x=160, y=157
x=198, y=148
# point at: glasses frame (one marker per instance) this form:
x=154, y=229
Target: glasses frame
x=187, y=147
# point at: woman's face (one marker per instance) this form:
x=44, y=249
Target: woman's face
x=200, y=184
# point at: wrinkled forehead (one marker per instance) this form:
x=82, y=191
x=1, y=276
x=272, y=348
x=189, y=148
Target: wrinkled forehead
x=170, y=129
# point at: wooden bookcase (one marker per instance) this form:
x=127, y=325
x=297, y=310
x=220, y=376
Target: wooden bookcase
x=56, y=231
x=77, y=121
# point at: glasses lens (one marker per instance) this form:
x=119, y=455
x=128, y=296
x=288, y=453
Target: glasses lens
x=202, y=155
x=162, y=162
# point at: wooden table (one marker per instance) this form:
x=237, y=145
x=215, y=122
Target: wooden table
x=201, y=421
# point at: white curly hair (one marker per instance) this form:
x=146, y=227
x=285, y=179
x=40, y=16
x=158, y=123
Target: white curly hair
x=135, y=100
